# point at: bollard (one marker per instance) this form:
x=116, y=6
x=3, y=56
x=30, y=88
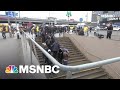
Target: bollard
x=69, y=75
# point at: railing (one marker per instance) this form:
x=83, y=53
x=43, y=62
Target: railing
x=68, y=68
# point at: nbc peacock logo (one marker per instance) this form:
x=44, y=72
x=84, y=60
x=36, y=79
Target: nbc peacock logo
x=11, y=69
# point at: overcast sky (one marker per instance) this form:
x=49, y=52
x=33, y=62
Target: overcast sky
x=76, y=15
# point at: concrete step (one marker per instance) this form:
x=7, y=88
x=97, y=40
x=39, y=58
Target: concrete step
x=76, y=58
x=67, y=39
x=103, y=77
x=75, y=55
x=38, y=50
x=84, y=73
x=76, y=52
x=78, y=62
x=41, y=62
x=40, y=55
x=40, y=58
x=92, y=75
x=72, y=49
x=74, y=74
x=72, y=63
x=66, y=44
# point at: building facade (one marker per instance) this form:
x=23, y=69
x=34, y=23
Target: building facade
x=108, y=16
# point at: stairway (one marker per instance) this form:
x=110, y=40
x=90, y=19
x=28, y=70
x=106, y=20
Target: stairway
x=75, y=58
x=39, y=54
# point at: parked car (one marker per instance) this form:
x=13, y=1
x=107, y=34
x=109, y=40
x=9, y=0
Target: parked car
x=103, y=28
x=116, y=27
x=97, y=28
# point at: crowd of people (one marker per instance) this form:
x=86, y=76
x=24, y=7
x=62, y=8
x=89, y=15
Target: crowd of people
x=50, y=43
x=11, y=31
x=85, y=30
x=82, y=30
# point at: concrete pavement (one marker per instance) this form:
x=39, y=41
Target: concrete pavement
x=99, y=49
x=11, y=53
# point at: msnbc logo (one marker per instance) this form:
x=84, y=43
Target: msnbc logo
x=32, y=69
x=11, y=69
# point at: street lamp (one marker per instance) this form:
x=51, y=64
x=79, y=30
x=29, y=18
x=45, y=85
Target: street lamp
x=7, y=14
x=19, y=14
x=68, y=15
x=20, y=21
x=49, y=18
x=98, y=19
x=87, y=17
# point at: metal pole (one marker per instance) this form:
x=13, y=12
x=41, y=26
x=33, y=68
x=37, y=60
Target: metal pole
x=8, y=20
x=19, y=14
x=68, y=20
x=9, y=27
x=19, y=18
x=30, y=50
x=49, y=18
x=117, y=35
x=68, y=24
x=16, y=22
x=69, y=75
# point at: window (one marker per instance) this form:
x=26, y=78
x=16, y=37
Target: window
x=105, y=12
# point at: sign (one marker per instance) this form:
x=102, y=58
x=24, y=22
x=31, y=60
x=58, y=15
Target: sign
x=115, y=18
x=32, y=69
x=81, y=19
x=11, y=14
x=107, y=16
x=98, y=17
x=68, y=13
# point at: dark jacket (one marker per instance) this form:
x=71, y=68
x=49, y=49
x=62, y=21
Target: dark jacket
x=109, y=29
x=60, y=55
x=52, y=39
x=55, y=46
x=4, y=29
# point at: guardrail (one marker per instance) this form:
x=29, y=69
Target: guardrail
x=68, y=68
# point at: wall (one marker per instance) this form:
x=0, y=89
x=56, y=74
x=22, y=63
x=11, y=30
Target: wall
x=27, y=59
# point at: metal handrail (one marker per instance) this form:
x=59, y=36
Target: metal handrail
x=77, y=67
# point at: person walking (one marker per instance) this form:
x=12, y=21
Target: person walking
x=4, y=32
x=13, y=31
x=37, y=31
x=90, y=29
x=65, y=56
x=86, y=30
x=60, y=55
x=48, y=42
x=55, y=49
x=109, y=30
x=10, y=31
